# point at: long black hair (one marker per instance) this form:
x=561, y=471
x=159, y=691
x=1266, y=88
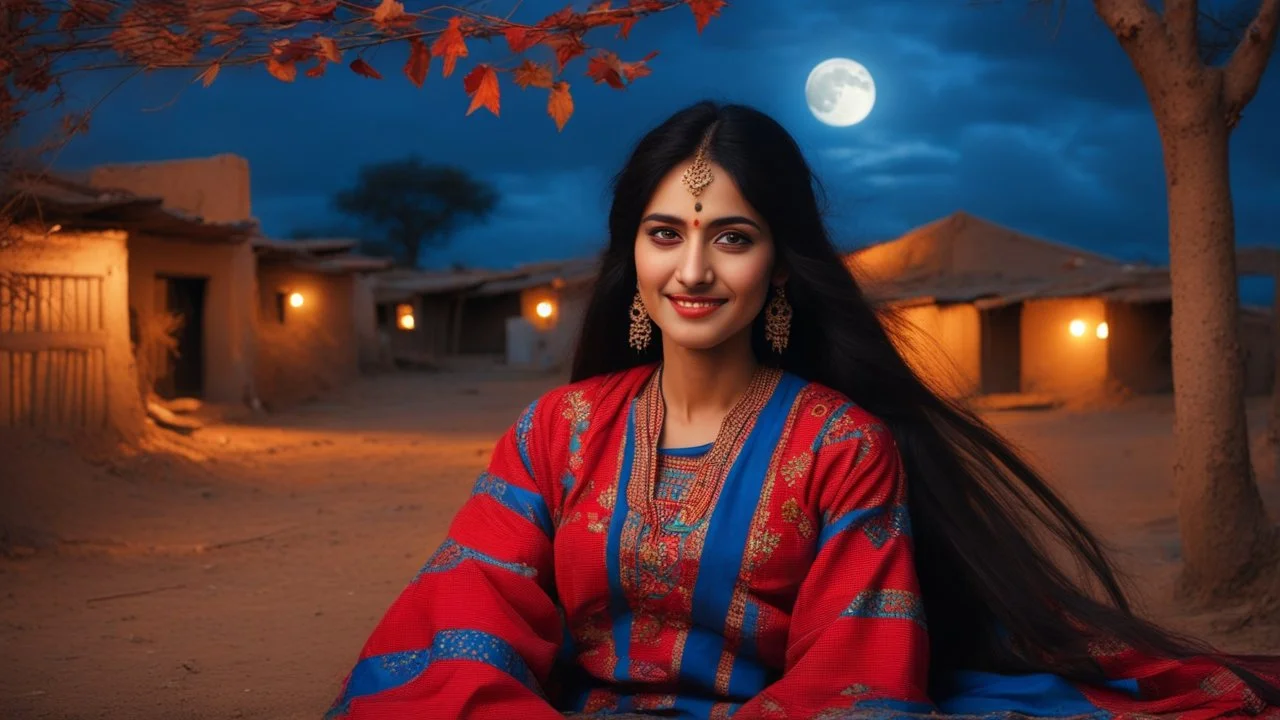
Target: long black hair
x=981, y=515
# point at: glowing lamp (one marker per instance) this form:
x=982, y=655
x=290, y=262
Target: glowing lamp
x=544, y=309
x=295, y=300
x=404, y=317
x=1077, y=328
x=1103, y=331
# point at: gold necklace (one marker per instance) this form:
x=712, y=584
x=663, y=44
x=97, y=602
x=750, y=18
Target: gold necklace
x=712, y=467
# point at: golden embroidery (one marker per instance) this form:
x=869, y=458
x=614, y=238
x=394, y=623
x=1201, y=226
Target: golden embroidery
x=792, y=513
x=772, y=707
x=796, y=468
x=596, y=524
x=759, y=548
x=578, y=413
x=714, y=465
x=1220, y=683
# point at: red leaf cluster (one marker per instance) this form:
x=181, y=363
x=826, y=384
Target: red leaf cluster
x=605, y=67
x=288, y=35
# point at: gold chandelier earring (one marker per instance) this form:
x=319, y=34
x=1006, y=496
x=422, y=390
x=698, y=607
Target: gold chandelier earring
x=641, y=325
x=777, y=321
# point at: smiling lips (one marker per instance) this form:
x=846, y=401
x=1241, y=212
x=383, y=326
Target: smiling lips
x=692, y=307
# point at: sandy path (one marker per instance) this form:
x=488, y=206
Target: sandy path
x=269, y=551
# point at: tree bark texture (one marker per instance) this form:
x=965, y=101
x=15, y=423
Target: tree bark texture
x=1227, y=538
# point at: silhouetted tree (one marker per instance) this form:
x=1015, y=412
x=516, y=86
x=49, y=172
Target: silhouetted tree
x=413, y=205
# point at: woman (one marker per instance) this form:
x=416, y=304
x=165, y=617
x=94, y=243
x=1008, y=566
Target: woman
x=747, y=505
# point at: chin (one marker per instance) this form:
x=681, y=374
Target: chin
x=704, y=338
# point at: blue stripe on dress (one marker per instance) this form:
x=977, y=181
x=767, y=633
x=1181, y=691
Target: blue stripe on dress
x=619, y=609
x=525, y=503
x=381, y=673
x=880, y=524
x=1041, y=694
x=730, y=524
x=841, y=523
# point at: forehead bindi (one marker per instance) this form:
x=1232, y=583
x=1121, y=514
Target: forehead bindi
x=715, y=199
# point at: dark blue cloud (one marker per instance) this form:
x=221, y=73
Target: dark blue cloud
x=1028, y=118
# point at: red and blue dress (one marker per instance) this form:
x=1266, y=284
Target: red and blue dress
x=768, y=575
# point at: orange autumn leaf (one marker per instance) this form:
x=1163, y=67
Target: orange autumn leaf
x=360, y=67
x=283, y=71
x=567, y=47
x=419, y=61
x=639, y=68
x=704, y=10
x=391, y=12
x=482, y=85
x=329, y=49
x=521, y=38
x=532, y=73
x=560, y=104
x=636, y=7
x=450, y=45
x=605, y=67
x=295, y=50
x=209, y=75
x=624, y=27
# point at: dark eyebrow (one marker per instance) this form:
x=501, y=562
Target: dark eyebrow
x=718, y=222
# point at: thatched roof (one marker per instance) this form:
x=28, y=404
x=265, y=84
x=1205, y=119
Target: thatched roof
x=54, y=200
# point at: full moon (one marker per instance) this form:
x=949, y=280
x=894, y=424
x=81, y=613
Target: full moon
x=840, y=92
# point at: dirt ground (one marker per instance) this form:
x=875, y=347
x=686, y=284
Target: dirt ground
x=236, y=572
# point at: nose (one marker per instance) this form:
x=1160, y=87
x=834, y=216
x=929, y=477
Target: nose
x=695, y=265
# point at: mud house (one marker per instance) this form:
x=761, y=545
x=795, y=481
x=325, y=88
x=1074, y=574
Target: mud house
x=207, y=287
x=528, y=316
x=90, y=271
x=155, y=277
x=984, y=309
x=316, y=316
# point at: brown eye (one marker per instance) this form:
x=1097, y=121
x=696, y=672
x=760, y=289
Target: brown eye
x=664, y=235
x=733, y=239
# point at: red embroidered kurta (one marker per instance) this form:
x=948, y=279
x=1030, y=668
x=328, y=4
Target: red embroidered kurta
x=794, y=596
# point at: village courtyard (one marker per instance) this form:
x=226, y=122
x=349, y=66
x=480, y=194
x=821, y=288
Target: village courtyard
x=235, y=572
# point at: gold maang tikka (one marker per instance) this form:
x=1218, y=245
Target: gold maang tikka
x=698, y=176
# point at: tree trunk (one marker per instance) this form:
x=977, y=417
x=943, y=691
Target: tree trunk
x=1226, y=535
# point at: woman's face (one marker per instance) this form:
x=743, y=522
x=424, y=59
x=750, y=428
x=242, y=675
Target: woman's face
x=703, y=275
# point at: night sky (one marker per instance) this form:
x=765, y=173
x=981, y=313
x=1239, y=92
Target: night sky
x=993, y=108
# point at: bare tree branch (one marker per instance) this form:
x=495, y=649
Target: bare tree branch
x=43, y=42
x=1139, y=29
x=1244, y=71
x=1180, y=18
